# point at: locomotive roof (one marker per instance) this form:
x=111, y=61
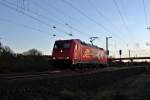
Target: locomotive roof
x=84, y=43
x=94, y=46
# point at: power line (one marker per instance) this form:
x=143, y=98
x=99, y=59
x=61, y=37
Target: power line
x=44, y=9
x=105, y=18
x=99, y=12
x=35, y=13
x=62, y=12
x=144, y=8
x=42, y=16
x=59, y=21
x=82, y=13
x=28, y=15
x=22, y=25
x=122, y=18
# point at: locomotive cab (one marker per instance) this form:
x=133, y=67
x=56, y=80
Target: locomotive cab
x=62, y=53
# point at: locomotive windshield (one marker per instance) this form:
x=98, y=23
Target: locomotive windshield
x=62, y=45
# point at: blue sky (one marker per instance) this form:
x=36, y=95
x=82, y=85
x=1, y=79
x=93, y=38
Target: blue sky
x=85, y=19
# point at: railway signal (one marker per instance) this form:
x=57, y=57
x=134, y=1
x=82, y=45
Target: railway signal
x=120, y=53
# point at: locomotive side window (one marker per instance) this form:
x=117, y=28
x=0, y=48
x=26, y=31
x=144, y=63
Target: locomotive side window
x=58, y=46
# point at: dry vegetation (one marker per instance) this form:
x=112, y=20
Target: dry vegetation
x=13, y=64
x=100, y=86
x=29, y=61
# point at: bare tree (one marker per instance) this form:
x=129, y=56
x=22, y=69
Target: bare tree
x=33, y=52
x=6, y=50
x=0, y=48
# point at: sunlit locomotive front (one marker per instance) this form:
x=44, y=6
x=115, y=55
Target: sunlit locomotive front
x=75, y=53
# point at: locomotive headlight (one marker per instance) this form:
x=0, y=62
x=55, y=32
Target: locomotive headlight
x=67, y=57
x=54, y=58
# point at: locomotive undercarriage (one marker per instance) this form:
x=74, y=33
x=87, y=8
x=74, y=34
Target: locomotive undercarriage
x=67, y=64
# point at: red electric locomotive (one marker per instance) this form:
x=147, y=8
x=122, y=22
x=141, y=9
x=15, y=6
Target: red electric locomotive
x=75, y=53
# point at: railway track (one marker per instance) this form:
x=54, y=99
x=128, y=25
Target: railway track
x=26, y=76
x=60, y=73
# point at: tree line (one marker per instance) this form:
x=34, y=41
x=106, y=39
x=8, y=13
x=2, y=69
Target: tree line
x=28, y=61
x=7, y=51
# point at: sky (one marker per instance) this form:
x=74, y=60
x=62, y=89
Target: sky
x=27, y=24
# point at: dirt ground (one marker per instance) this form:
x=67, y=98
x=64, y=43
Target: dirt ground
x=120, y=85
